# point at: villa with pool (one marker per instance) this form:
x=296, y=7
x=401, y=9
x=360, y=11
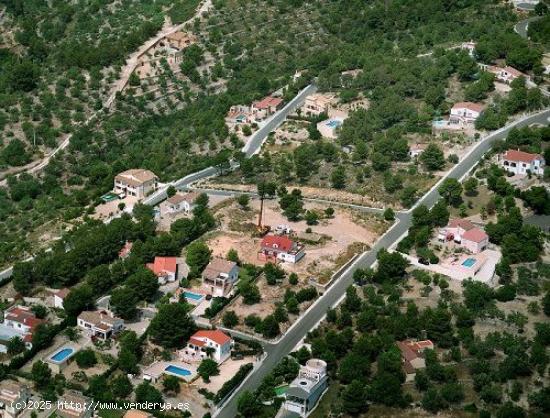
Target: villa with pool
x=466, y=234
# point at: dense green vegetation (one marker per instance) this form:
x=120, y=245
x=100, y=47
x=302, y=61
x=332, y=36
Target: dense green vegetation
x=480, y=374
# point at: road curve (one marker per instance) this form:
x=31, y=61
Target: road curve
x=253, y=145
x=334, y=294
x=522, y=27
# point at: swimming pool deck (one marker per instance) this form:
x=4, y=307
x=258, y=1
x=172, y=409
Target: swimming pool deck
x=455, y=270
x=157, y=369
x=58, y=365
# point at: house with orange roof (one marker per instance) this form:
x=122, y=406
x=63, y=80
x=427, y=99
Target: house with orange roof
x=214, y=344
x=465, y=233
x=168, y=269
x=261, y=109
x=280, y=248
x=412, y=356
x=522, y=163
x=465, y=112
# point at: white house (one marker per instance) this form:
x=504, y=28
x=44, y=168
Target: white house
x=465, y=112
x=59, y=297
x=168, y=269
x=519, y=162
x=213, y=344
x=305, y=391
x=466, y=234
x=100, y=324
x=13, y=396
x=19, y=321
x=219, y=277
x=136, y=182
x=412, y=356
x=181, y=202
x=281, y=248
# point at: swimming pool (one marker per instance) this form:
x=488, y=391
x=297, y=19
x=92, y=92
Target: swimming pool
x=333, y=123
x=192, y=295
x=62, y=355
x=469, y=262
x=180, y=371
x=439, y=123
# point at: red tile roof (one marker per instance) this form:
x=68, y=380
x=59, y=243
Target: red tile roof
x=277, y=242
x=513, y=71
x=475, y=107
x=194, y=341
x=462, y=223
x=524, y=157
x=215, y=335
x=23, y=315
x=267, y=102
x=62, y=293
x=163, y=265
x=475, y=235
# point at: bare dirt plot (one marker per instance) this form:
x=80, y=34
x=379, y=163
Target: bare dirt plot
x=343, y=235
x=108, y=209
x=228, y=369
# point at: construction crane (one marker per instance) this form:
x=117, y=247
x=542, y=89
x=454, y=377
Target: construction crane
x=261, y=229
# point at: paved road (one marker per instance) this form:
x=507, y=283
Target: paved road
x=334, y=294
x=526, y=6
x=522, y=26
x=253, y=145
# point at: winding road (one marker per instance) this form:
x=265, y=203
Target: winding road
x=253, y=145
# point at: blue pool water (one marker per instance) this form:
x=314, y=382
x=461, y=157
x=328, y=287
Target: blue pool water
x=439, y=122
x=333, y=123
x=61, y=355
x=178, y=370
x=191, y=295
x=469, y=262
